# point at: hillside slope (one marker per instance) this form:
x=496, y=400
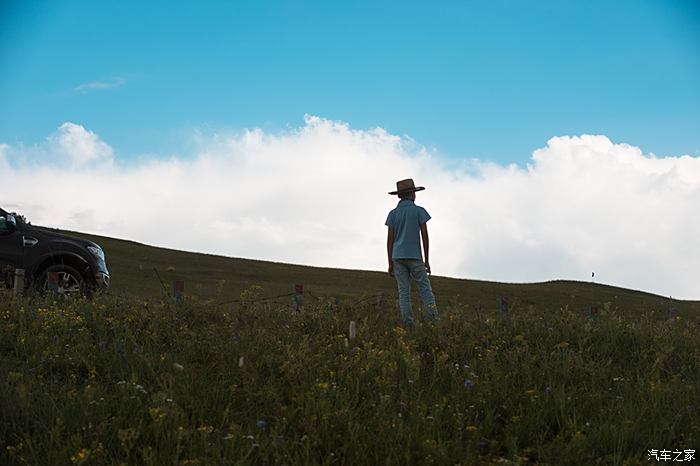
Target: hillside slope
x=133, y=268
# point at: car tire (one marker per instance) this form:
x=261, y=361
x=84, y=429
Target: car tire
x=70, y=281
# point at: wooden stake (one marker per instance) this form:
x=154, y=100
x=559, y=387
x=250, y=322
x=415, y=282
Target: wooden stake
x=19, y=282
x=179, y=291
x=52, y=282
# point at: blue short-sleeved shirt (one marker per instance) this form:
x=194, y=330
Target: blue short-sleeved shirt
x=406, y=220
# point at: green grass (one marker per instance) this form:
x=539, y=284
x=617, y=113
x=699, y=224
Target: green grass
x=132, y=381
x=132, y=378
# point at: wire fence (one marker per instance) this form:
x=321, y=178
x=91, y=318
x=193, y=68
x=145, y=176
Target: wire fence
x=379, y=296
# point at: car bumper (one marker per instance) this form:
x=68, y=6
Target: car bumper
x=102, y=280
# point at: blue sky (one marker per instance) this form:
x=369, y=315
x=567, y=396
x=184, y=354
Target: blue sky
x=555, y=138
x=492, y=80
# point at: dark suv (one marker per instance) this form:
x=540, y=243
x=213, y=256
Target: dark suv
x=75, y=265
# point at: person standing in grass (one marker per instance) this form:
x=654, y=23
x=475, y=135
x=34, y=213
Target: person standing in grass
x=407, y=225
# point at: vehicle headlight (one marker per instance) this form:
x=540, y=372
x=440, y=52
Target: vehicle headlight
x=96, y=250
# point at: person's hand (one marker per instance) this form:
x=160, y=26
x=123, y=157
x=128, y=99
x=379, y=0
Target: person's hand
x=391, y=270
x=427, y=268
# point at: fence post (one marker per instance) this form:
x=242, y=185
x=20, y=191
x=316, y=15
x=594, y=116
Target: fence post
x=593, y=311
x=503, y=310
x=19, y=282
x=179, y=291
x=52, y=282
x=297, y=299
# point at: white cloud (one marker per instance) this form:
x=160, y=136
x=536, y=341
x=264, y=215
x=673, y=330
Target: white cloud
x=81, y=146
x=4, y=148
x=318, y=195
x=110, y=83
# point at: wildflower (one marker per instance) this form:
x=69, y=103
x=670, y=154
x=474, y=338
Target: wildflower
x=547, y=390
x=260, y=424
x=530, y=392
x=352, y=331
x=471, y=428
x=156, y=413
x=205, y=429
x=241, y=361
x=469, y=383
x=81, y=456
x=178, y=367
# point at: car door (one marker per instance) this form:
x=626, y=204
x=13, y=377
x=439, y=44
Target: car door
x=11, y=247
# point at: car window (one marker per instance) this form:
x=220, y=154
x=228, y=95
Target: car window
x=7, y=223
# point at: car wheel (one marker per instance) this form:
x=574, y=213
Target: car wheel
x=69, y=283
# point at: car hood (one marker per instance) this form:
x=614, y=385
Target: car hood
x=56, y=234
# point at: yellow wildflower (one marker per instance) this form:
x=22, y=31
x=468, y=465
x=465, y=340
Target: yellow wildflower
x=205, y=429
x=81, y=456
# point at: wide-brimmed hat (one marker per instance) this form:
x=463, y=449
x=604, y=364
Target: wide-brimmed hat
x=406, y=186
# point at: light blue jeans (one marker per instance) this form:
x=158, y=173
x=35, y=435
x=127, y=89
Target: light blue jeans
x=404, y=271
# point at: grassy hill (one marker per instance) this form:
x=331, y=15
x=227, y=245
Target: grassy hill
x=130, y=378
x=133, y=268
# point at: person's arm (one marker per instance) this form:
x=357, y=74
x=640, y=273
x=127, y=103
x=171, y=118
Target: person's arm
x=426, y=244
x=390, y=249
